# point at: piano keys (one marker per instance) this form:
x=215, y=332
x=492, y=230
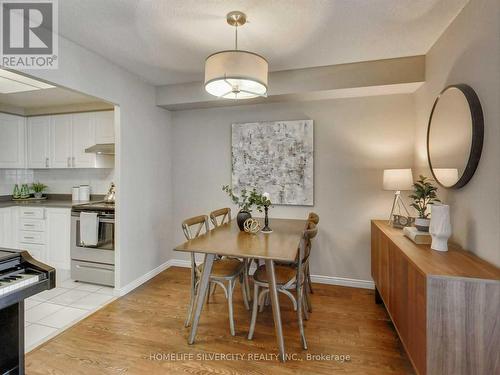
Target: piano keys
x=21, y=276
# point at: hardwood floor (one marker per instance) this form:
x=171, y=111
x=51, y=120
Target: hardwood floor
x=136, y=333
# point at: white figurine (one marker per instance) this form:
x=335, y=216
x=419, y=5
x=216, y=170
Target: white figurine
x=440, y=227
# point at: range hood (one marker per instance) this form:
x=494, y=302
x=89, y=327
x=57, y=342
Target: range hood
x=102, y=149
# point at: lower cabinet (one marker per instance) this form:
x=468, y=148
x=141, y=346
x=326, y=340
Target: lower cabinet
x=43, y=232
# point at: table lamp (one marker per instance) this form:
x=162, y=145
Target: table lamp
x=397, y=180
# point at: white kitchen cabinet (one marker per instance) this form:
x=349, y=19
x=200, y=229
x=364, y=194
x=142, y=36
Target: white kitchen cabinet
x=104, y=127
x=83, y=136
x=38, y=129
x=61, y=141
x=8, y=227
x=4, y=227
x=12, y=141
x=58, y=237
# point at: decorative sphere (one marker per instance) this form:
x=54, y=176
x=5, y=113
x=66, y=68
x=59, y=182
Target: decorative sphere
x=251, y=226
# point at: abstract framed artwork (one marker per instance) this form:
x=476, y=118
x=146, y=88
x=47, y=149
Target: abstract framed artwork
x=275, y=157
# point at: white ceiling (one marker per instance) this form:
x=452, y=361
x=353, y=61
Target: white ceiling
x=167, y=41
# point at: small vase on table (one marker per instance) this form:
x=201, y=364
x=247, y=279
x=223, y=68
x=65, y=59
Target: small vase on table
x=267, y=203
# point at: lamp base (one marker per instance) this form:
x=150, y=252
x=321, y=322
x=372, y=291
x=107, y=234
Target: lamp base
x=397, y=202
x=266, y=230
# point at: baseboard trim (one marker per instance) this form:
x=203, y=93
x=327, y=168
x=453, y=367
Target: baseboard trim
x=330, y=280
x=342, y=281
x=141, y=280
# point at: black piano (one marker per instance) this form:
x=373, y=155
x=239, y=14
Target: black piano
x=21, y=276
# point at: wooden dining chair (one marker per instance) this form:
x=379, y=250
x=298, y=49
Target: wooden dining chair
x=223, y=270
x=218, y=218
x=313, y=218
x=288, y=278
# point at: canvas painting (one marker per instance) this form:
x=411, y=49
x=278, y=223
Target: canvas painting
x=275, y=157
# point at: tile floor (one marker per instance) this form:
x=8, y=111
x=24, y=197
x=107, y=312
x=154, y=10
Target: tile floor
x=52, y=311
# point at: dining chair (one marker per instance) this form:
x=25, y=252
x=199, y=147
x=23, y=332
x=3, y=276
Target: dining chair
x=223, y=270
x=218, y=218
x=288, y=278
x=314, y=218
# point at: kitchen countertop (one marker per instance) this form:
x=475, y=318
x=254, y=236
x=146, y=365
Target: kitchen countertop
x=53, y=201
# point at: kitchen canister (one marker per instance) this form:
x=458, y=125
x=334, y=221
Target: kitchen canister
x=75, y=193
x=84, y=193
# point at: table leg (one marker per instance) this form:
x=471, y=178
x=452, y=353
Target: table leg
x=200, y=296
x=276, y=307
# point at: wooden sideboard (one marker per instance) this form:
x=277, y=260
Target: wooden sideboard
x=445, y=305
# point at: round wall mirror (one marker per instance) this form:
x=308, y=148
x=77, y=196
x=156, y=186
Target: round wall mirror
x=455, y=136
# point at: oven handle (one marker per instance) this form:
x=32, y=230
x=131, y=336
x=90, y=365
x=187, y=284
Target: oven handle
x=101, y=220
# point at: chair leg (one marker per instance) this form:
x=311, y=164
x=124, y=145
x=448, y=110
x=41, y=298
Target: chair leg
x=309, y=283
x=230, y=305
x=244, y=293
x=255, y=307
x=246, y=280
x=262, y=299
x=299, y=316
x=307, y=298
x=304, y=306
x=290, y=296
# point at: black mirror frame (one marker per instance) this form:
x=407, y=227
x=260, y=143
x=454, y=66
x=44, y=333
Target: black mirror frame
x=477, y=134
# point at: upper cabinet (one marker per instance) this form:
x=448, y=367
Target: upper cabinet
x=38, y=129
x=12, y=141
x=83, y=136
x=59, y=141
x=104, y=127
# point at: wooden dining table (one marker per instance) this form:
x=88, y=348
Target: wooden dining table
x=228, y=240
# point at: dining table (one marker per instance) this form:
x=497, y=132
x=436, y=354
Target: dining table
x=228, y=240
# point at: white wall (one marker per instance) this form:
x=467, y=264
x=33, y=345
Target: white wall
x=355, y=139
x=469, y=52
x=143, y=162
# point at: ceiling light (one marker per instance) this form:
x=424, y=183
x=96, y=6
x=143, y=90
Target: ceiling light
x=11, y=82
x=236, y=74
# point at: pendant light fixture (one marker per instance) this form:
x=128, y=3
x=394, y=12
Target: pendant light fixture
x=236, y=74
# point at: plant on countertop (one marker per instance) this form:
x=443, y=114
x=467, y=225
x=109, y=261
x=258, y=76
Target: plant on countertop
x=38, y=187
x=248, y=199
x=424, y=193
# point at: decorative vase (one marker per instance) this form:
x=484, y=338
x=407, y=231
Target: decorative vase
x=38, y=194
x=440, y=228
x=242, y=216
x=17, y=193
x=422, y=224
x=266, y=228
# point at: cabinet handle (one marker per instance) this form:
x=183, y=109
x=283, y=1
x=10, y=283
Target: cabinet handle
x=29, y=213
x=73, y=159
x=69, y=162
x=46, y=162
x=29, y=225
x=29, y=238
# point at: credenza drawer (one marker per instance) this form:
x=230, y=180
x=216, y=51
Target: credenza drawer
x=32, y=237
x=35, y=225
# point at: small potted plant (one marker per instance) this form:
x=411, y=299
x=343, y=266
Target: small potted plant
x=424, y=194
x=245, y=202
x=38, y=189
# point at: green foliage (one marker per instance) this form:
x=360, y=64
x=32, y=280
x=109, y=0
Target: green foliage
x=247, y=199
x=424, y=194
x=38, y=187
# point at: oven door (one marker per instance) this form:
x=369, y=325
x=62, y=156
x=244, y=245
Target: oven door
x=103, y=252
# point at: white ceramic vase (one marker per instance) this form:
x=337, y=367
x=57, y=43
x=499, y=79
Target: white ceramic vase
x=440, y=228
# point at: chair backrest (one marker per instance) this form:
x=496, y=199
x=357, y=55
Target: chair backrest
x=305, y=248
x=313, y=217
x=220, y=216
x=192, y=228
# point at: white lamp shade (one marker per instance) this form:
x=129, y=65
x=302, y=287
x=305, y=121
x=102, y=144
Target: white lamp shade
x=398, y=179
x=446, y=176
x=236, y=75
